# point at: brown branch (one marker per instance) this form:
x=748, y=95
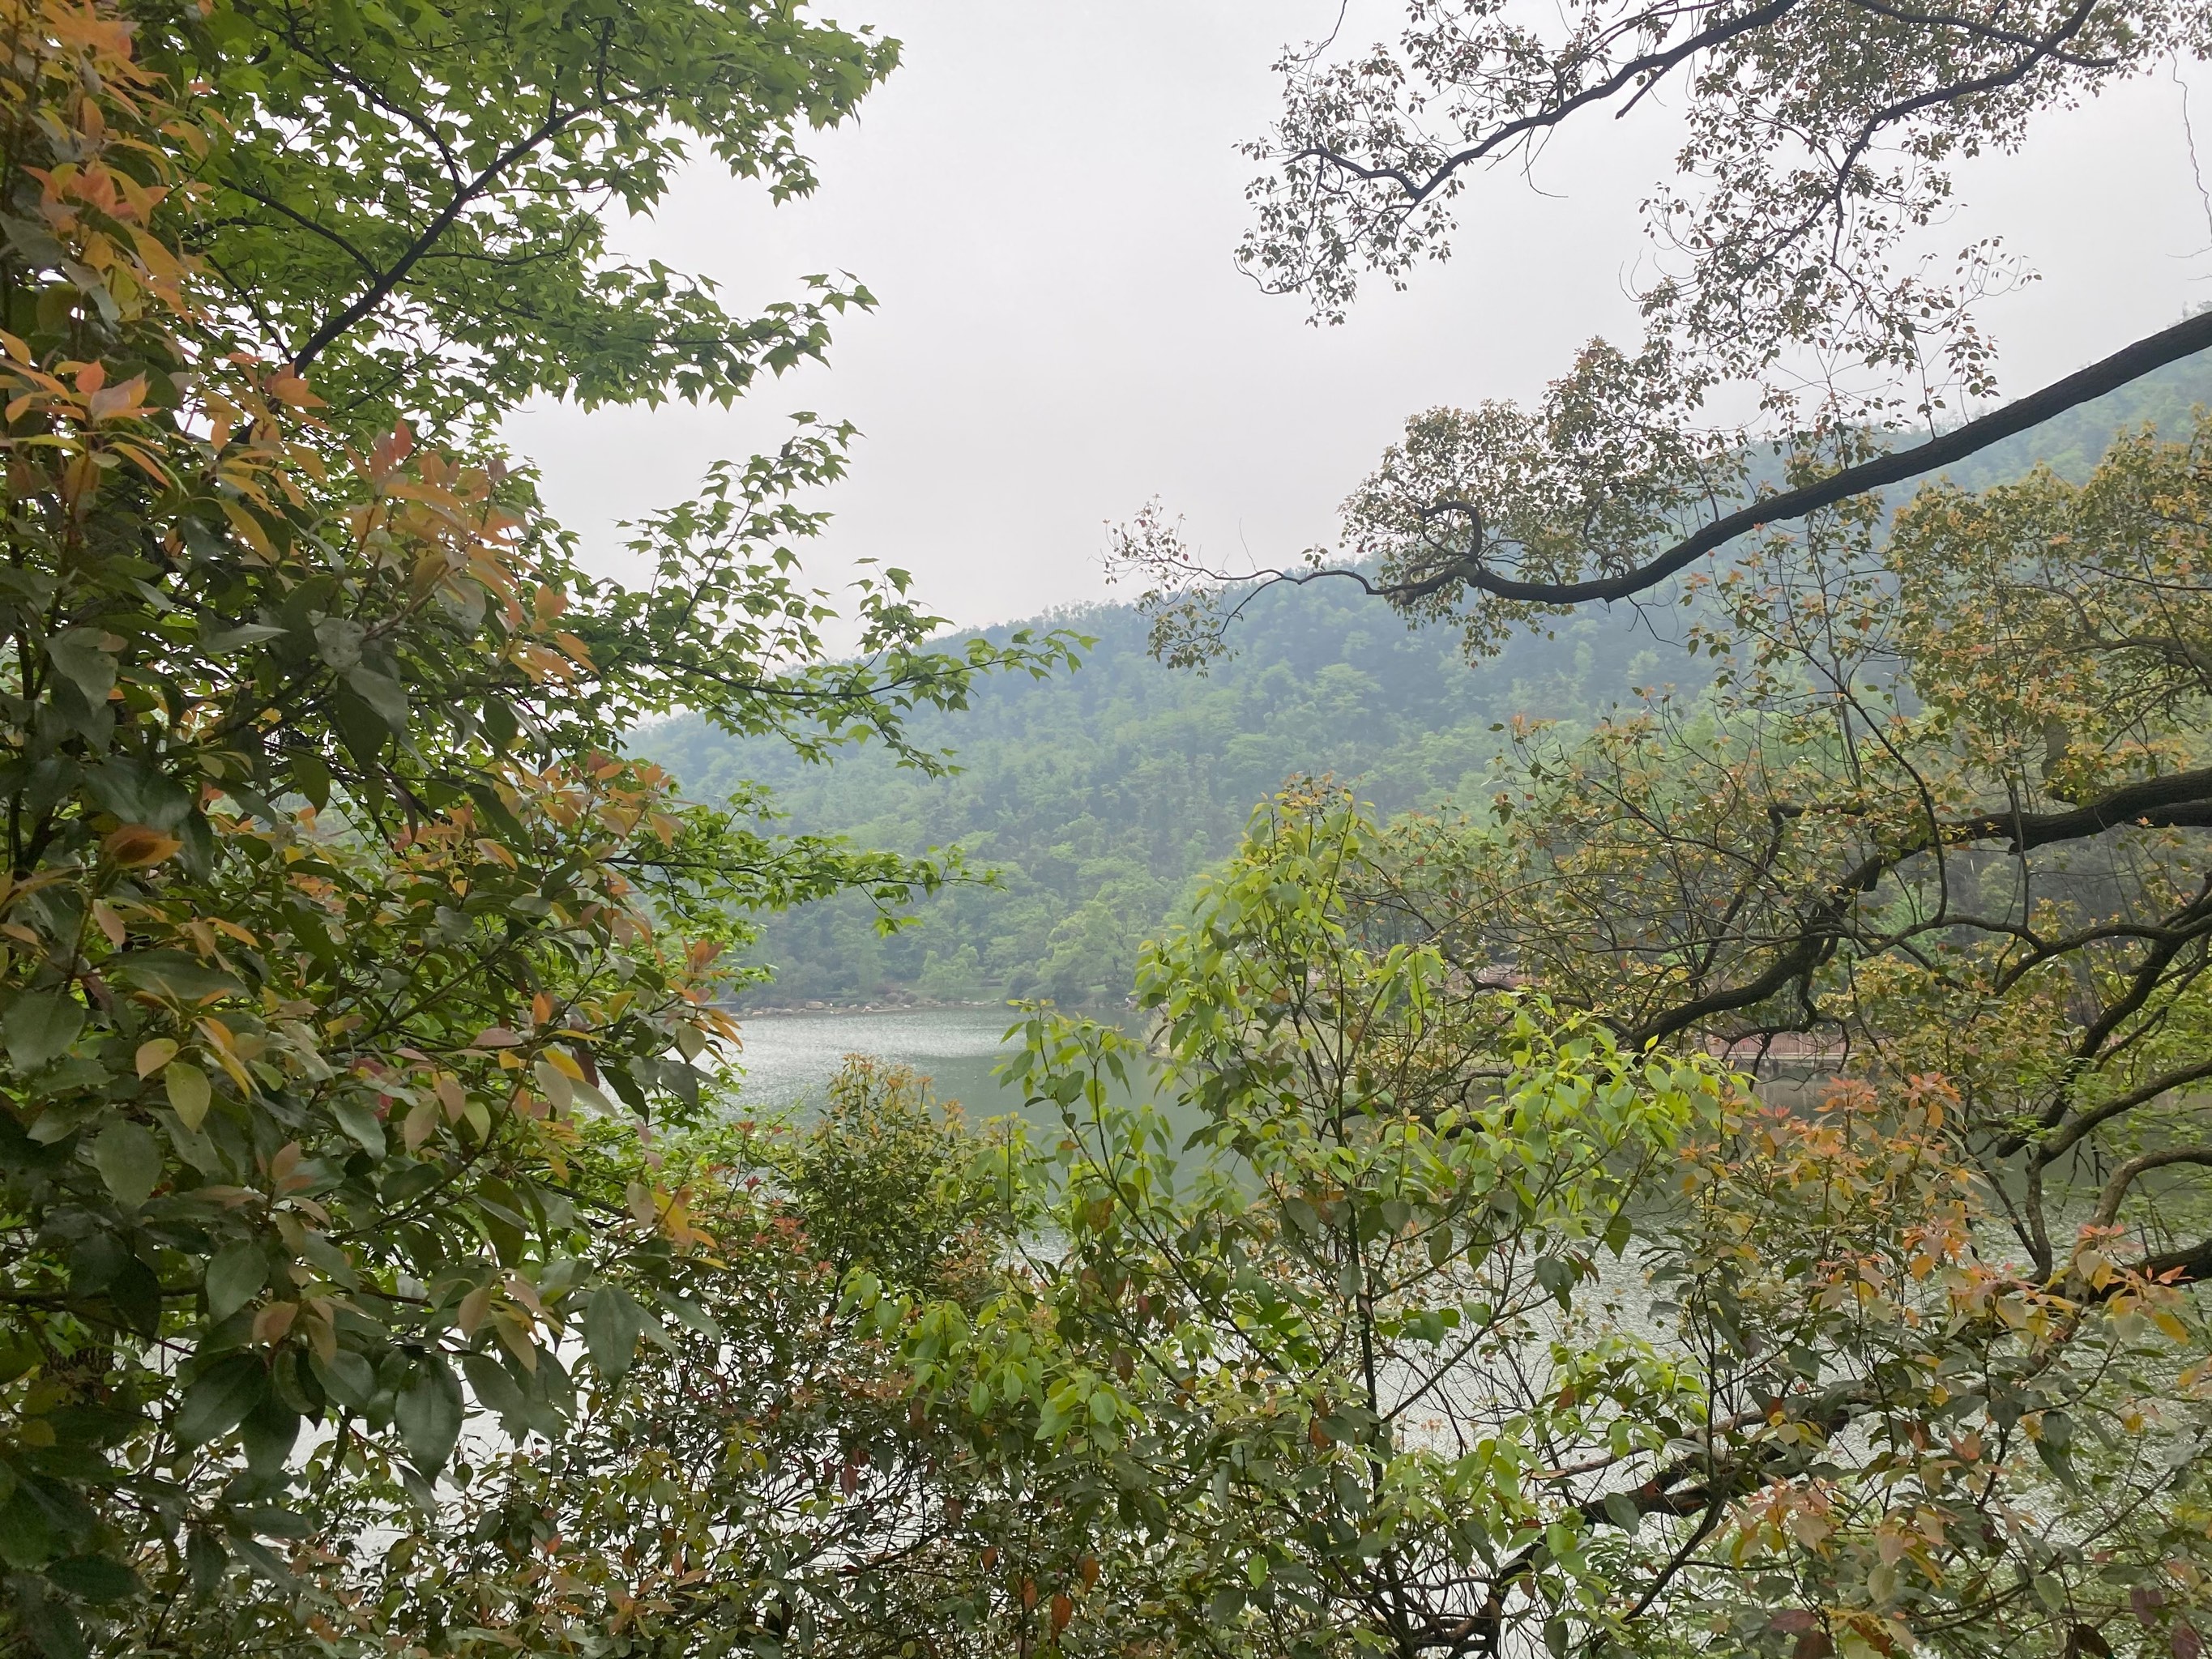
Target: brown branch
x=2191, y=1266
x=2179, y=798
x=2140, y=1096
x=2116, y=1189
x=381, y=290
x=2130, y=363
x=1654, y=65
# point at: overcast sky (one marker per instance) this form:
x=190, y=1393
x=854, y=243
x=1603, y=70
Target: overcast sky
x=1045, y=198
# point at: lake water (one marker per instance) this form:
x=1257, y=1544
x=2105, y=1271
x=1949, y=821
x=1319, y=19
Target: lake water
x=788, y=1058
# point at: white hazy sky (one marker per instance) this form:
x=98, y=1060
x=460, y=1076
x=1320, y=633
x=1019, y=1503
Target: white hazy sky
x=1045, y=197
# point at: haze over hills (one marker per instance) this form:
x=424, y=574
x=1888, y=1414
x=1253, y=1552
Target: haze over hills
x=1098, y=797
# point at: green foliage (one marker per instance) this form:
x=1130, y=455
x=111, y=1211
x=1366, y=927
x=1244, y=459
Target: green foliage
x=1473, y=1330
x=740, y=1434
x=412, y=199
x=1101, y=797
x=334, y=914
x=1410, y=1177
x=881, y=1175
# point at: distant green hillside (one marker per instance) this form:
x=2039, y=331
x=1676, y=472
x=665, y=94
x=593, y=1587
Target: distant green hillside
x=1100, y=795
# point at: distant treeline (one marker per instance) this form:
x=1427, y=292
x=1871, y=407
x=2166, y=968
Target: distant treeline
x=1098, y=797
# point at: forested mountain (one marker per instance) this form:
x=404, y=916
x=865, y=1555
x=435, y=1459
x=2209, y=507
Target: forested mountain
x=1097, y=797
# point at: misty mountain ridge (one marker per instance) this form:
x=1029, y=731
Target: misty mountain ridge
x=1100, y=796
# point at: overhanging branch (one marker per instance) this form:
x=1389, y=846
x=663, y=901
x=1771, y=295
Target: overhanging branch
x=2130, y=363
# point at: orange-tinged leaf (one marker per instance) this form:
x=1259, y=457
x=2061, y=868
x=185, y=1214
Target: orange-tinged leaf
x=249, y=528
x=517, y=1341
x=118, y=402
x=286, y=1161
x=474, y=1306
x=290, y=389
x=270, y=1324
x=136, y=846
x=322, y=1329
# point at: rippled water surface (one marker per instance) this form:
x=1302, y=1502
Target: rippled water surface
x=788, y=1058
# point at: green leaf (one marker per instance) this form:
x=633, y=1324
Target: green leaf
x=691, y=1314
x=270, y=1432
x=25, y=1535
x=346, y=1377
x=338, y=641
x=359, y=1120
x=205, y=1559
x=219, y=1398
x=129, y=1160
x=381, y=693
x=136, y=1294
x=262, y=1560
x=53, y=1626
x=222, y=640
x=189, y=1093
x=611, y=1324
x=40, y=1026
x=1556, y=1277
x=428, y=1412
x=77, y=653
x=94, y=1577
x=172, y=974
x=235, y=1273
x=494, y=1388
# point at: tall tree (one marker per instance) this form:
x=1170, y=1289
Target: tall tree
x=333, y=907
x=1937, y=832
x=413, y=203
x=1477, y=1332
x=1797, y=267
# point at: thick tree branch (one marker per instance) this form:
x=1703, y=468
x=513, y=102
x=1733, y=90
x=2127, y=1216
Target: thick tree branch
x=2191, y=1266
x=2181, y=798
x=2116, y=1189
x=1648, y=67
x=2130, y=363
x=2142, y=1095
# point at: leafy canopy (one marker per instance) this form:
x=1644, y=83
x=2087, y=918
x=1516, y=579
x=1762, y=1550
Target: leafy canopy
x=335, y=915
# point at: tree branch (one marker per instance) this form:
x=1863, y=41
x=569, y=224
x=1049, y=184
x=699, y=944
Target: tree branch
x=2178, y=799
x=2130, y=363
x=2116, y=1189
x=379, y=290
x=1652, y=65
